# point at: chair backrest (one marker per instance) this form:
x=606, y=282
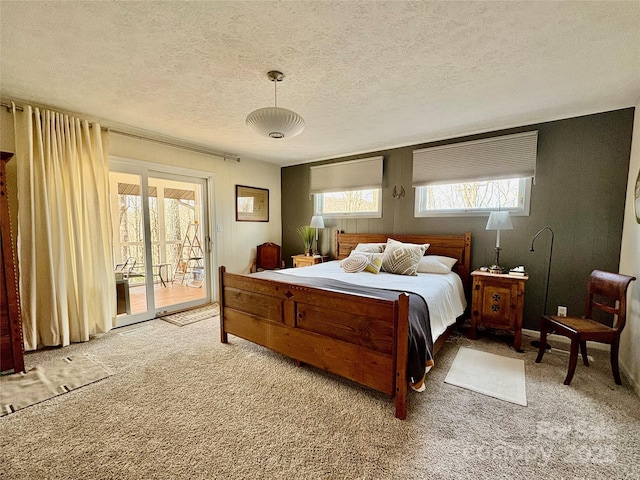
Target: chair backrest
x=607, y=292
x=126, y=267
x=268, y=256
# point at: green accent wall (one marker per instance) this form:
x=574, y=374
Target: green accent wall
x=579, y=191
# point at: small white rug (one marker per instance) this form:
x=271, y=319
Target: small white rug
x=489, y=374
x=20, y=390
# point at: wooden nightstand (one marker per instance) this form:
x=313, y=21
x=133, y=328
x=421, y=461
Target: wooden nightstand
x=498, y=301
x=306, y=261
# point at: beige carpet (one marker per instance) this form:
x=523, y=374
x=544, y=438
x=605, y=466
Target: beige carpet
x=20, y=390
x=181, y=405
x=493, y=375
x=192, y=316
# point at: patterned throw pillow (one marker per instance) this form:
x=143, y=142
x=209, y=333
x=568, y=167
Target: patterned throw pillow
x=362, y=262
x=375, y=263
x=402, y=258
x=355, y=263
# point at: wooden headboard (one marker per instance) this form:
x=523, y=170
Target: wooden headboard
x=456, y=246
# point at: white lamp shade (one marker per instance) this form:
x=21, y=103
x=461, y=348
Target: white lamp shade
x=275, y=122
x=499, y=221
x=317, y=222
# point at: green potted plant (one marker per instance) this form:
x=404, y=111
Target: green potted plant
x=307, y=234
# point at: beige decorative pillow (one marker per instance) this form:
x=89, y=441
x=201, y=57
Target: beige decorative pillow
x=362, y=262
x=402, y=258
x=375, y=263
x=354, y=263
x=370, y=247
x=436, y=264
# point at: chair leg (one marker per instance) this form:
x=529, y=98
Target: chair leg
x=614, y=361
x=573, y=361
x=583, y=351
x=543, y=341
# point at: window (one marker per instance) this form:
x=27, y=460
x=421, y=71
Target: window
x=469, y=198
x=475, y=177
x=348, y=189
x=352, y=203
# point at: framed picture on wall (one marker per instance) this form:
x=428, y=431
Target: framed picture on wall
x=252, y=204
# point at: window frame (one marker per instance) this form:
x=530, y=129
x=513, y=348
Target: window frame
x=521, y=211
x=318, y=203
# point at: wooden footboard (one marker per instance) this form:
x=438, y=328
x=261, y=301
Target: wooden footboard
x=361, y=338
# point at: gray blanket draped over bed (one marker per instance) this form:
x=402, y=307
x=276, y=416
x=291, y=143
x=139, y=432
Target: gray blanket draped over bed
x=420, y=339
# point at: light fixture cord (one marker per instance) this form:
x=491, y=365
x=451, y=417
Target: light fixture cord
x=275, y=92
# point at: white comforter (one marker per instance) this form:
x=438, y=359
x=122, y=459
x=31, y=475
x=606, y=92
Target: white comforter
x=443, y=292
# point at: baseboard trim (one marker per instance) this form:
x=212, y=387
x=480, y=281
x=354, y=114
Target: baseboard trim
x=635, y=383
x=559, y=338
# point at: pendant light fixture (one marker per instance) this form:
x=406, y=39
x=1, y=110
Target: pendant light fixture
x=275, y=122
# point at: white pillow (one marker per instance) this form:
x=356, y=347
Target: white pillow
x=370, y=247
x=402, y=258
x=436, y=264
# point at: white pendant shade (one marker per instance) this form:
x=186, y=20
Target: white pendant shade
x=275, y=122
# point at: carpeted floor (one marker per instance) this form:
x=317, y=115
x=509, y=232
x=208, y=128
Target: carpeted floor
x=182, y=405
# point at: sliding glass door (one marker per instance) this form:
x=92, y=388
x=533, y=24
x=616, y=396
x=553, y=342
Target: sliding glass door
x=161, y=241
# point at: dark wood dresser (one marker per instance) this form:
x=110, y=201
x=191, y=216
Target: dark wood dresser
x=11, y=346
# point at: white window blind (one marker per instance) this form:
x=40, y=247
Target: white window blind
x=509, y=156
x=343, y=176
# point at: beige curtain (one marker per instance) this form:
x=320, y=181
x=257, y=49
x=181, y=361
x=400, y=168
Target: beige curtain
x=67, y=286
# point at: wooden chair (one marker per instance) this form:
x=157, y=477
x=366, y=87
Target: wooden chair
x=606, y=292
x=268, y=257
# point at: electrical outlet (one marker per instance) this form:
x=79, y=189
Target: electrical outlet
x=562, y=311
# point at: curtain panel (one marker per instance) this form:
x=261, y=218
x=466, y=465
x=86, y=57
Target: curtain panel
x=65, y=257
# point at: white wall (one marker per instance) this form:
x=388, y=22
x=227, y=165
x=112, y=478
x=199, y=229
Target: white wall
x=630, y=264
x=235, y=246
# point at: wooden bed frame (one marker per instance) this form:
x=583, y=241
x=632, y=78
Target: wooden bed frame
x=361, y=338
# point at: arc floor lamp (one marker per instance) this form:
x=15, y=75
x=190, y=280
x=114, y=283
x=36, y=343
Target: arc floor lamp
x=536, y=343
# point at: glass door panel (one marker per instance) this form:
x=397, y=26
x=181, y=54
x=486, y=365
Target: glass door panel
x=129, y=244
x=178, y=234
x=160, y=241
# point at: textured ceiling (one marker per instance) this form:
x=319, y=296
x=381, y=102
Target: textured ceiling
x=364, y=75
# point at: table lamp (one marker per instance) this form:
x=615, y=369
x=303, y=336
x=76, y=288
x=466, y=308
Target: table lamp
x=498, y=221
x=317, y=222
